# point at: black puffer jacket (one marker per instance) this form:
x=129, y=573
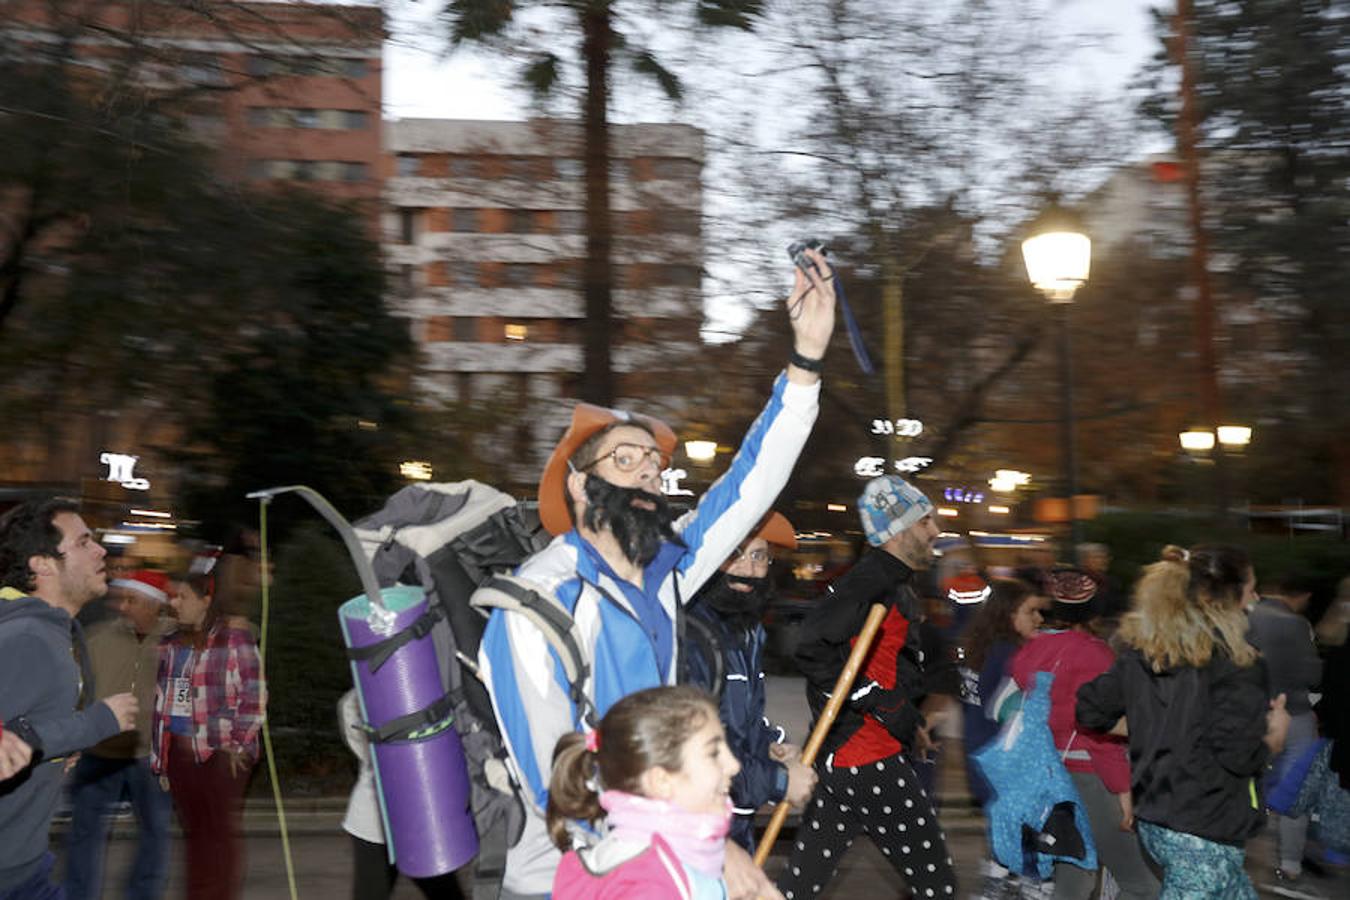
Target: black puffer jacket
x=1196, y=741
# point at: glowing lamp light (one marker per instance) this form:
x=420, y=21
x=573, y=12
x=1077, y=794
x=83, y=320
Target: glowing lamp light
x=701, y=451
x=1000, y=510
x=948, y=511
x=515, y=332
x=1234, y=435
x=1197, y=440
x=1058, y=255
x=415, y=470
x=836, y=507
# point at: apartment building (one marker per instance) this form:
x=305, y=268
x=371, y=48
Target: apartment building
x=485, y=233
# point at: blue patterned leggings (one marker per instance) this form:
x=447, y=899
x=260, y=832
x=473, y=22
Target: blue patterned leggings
x=1195, y=868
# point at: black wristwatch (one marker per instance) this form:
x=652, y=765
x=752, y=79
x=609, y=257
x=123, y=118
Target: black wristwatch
x=24, y=729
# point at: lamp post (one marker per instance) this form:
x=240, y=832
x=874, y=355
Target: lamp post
x=1058, y=256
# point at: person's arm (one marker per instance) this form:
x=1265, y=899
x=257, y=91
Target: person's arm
x=528, y=696
x=1101, y=701
x=15, y=754
x=251, y=693
x=1238, y=708
x=769, y=450
x=838, y=616
x=26, y=669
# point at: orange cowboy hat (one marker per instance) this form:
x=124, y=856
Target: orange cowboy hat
x=587, y=419
x=777, y=530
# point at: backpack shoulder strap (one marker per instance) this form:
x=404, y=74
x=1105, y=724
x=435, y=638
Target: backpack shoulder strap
x=701, y=635
x=554, y=621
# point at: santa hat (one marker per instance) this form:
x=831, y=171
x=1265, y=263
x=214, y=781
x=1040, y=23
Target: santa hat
x=147, y=583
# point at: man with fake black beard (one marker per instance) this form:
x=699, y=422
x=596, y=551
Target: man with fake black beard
x=724, y=641
x=622, y=568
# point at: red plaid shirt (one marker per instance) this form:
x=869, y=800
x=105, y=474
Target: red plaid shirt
x=229, y=698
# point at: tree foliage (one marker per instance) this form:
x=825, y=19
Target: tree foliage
x=1274, y=130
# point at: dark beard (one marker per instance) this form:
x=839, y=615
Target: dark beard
x=741, y=610
x=639, y=531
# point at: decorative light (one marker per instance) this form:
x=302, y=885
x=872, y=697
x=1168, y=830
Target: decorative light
x=516, y=332
x=415, y=470
x=1005, y=481
x=948, y=511
x=151, y=513
x=962, y=495
x=1197, y=440
x=1000, y=510
x=911, y=464
x=121, y=469
x=1057, y=253
x=670, y=483
x=701, y=451
x=1234, y=435
x=910, y=428
x=965, y=598
x=836, y=507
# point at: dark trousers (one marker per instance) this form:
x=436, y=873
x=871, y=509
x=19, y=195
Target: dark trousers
x=885, y=801
x=96, y=784
x=373, y=877
x=210, y=801
x=37, y=886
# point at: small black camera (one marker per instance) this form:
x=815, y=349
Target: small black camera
x=797, y=250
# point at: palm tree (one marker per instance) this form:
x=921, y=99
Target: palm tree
x=490, y=23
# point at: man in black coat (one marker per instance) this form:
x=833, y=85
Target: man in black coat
x=867, y=780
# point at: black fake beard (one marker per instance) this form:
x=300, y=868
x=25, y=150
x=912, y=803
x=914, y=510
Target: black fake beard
x=742, y=610
x=639, y=531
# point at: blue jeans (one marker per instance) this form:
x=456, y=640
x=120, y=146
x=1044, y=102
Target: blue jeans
x=96, y=785
x=37, y=886
x=1291, y=835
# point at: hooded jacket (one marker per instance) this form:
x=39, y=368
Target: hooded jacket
x=761, y=779
x=45, y=675
x=1197, y=744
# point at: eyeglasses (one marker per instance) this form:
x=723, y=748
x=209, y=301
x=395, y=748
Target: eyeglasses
x=630, y=457
x=758, y=557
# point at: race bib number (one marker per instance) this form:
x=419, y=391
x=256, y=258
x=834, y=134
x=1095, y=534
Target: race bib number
x=182, y=697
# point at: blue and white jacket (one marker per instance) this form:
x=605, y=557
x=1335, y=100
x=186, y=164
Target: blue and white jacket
x=628, y=631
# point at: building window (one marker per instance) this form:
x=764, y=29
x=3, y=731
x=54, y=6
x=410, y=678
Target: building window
x=464, y=274
x=351, y=68
x=514, y=331
x=407, y=225
x=674, y=168
x=569, y=169
x=405, y=281
x=353, y=171
x=305, y=118
x=571, y=221
x=520, y=221
x=464, y=220
x=466, y=329
x=518, y=274
x=464, y=167
x=355, y=119
x=408, y=165
x=464, y=386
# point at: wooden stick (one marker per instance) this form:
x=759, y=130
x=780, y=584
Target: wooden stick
x=826, y=720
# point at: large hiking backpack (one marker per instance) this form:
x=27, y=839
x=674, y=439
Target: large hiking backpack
x=457, y=541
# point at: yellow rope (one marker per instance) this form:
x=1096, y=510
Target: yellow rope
x=266, y=732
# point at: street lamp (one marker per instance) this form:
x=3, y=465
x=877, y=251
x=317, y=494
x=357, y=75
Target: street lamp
x=701, y=451
x=1058, y=256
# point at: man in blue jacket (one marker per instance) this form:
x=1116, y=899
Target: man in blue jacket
x=50, y=568
x=724, y=620
x=622, y=566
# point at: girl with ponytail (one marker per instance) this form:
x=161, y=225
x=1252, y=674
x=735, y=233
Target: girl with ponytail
x=657, y=771
x=1191, y=692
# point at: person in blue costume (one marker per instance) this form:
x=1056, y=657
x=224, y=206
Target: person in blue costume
x=623, y=565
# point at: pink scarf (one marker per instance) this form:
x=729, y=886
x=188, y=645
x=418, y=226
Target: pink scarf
x=698, y=839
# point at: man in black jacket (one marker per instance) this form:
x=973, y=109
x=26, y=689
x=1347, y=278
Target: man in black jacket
x=867, y=782
x=724, y=626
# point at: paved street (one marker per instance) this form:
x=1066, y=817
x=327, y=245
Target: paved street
x=323, y=867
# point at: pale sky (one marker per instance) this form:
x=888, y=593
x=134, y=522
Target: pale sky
x=421, y=81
